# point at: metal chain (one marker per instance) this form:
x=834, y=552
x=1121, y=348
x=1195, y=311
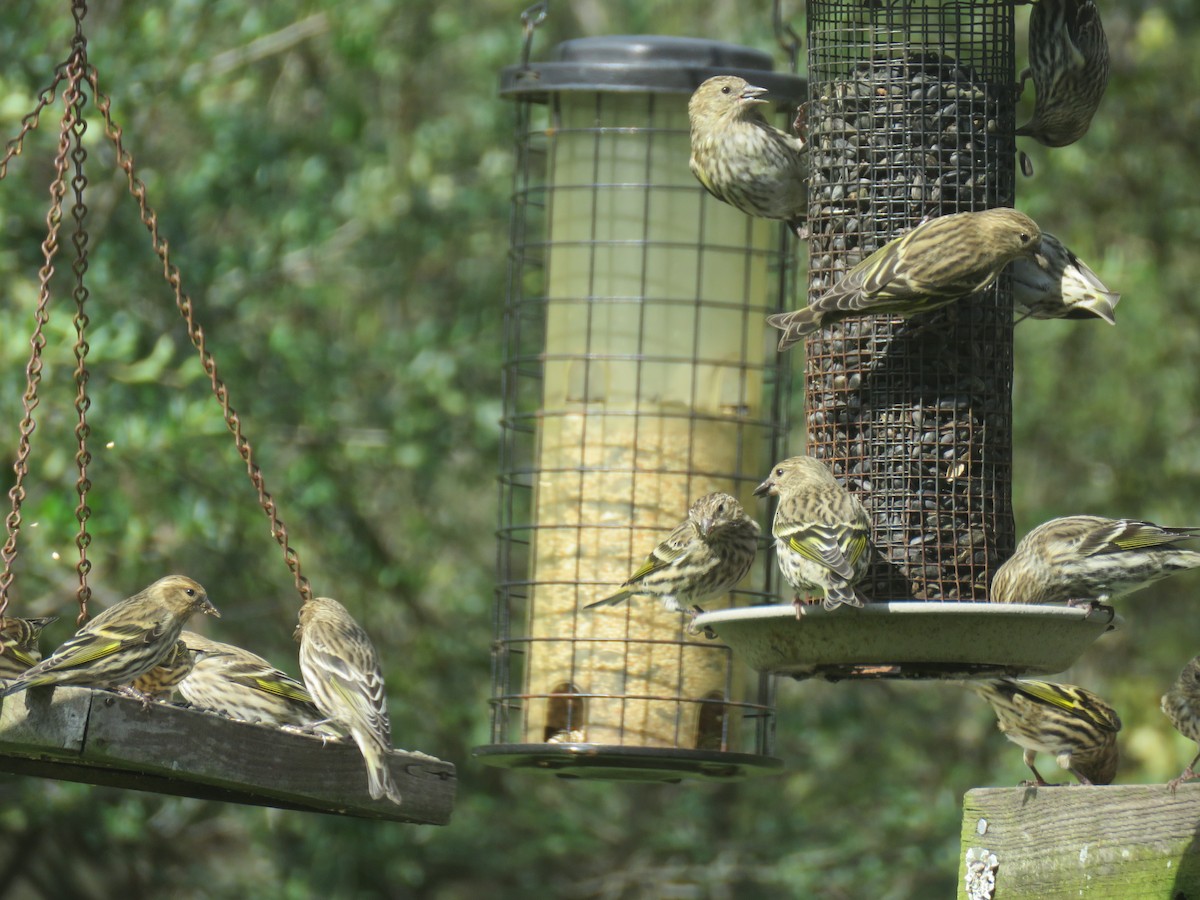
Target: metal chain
x=150, y=219
x=33, y=371
x=82, y=401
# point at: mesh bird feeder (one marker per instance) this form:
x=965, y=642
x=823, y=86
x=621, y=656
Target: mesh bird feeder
x=637, y=377
x=911, y=116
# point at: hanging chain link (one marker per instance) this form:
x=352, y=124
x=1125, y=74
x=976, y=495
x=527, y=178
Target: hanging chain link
x=76, y=70
x=82, y=401
x=73, y=71
x=150, y=219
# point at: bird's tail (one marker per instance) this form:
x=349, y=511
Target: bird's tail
x=841, y=595
x=379, y=777
x=618, y=597
x=795, y=325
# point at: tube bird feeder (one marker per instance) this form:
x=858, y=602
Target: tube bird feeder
x=638, y=376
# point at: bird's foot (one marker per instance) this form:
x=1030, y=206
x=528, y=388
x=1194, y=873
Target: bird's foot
x=142, y=697
x=1186, y=775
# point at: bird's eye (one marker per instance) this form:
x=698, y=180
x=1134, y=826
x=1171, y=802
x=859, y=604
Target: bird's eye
x=1025, y=238
x=190, y=592
x=779, y=471
x=721, y=509
x=726, y=90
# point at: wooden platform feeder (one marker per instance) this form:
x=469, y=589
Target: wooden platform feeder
x=637, y=377
x=99, y=737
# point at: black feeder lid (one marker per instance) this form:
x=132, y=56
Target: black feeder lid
x=647, y=63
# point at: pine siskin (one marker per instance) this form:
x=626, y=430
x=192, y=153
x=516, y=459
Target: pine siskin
x=821, y=532
x=742, y=159
x=1068, y=59
x=1054, y=283
x=342, y=673
x=706, y=556
x=161, y=681
x=930, y=266
x=1089, y=559
x=1182, y=706
x=20, y=638
x=1075, y=725
x=126, y=640
x=232, y=681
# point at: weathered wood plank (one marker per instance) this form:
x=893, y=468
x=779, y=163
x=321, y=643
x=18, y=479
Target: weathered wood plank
x=99, y=737
x=1116, y=842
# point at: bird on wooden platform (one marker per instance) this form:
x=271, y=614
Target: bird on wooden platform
x=342, y=673
x=234, y=682
x=1075, y=726
x=20, y=637
x=125, y=641
x=1181, y=704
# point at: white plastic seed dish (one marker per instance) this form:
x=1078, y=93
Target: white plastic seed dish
x=909, y=639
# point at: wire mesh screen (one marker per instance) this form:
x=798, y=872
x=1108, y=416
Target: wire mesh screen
x=638, y=376
x=911, y=116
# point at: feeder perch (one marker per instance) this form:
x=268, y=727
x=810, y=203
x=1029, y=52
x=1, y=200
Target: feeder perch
x=911, y=113
x=637, y=377
x=92, y=736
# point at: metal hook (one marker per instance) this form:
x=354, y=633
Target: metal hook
x=786, y=35
x=531, y=18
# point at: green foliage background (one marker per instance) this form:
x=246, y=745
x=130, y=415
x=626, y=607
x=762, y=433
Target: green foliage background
x=334, y=179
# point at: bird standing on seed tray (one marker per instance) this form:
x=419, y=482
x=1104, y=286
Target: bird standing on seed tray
x=125, y=641
x=1068, y=59
x=232, y=681
x=20, y=638
x=821, y=532
x=1075, y=726
x=1182, y=706
x=706, y=556
x=1054, y=283
x=342, y=673
x=932, y=265
x=741, y=158
x=1085, y=560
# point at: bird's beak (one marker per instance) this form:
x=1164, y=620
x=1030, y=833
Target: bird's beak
x=765, y=488
x=752, y=93
x=208, y=609
x=706, y=525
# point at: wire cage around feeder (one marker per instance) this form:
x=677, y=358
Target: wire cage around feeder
x=637, y=377
x=911, y=115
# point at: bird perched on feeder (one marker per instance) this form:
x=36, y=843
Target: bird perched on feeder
x=1182, y=706
x=1074, y=725
x=821, y=532
x=20, y=637
x=705, y=556
x=161, y=681
x=234, y=682
x=741, y=158
x=126, y=640
x=1068, y=59
x=934, y=264
x=342, y=673
x=1054, y=283
x=1085, y=560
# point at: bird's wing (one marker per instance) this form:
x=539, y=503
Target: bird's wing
x=358, y=685
x=1130, y=534
x=820, y=543
x=102, y=641
x=1072, y=700
x=665, y=554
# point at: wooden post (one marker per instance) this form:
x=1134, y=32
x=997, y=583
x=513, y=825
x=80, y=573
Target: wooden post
x=1116, y=842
